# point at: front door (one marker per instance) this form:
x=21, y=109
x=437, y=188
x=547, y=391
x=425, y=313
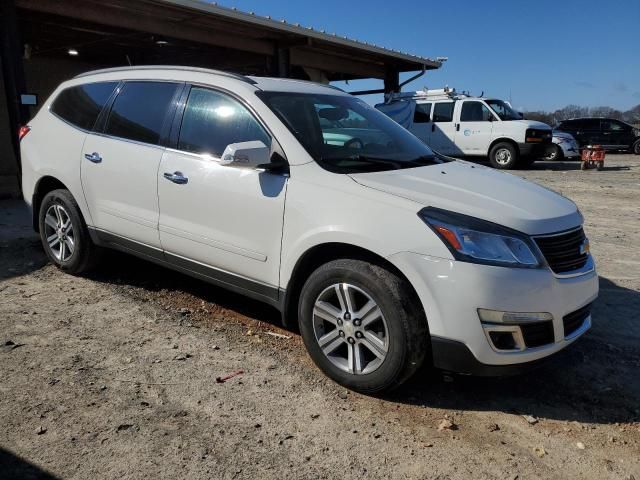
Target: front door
x=443, y=129
x=224, y=222
x=120, y=165
x=473, y=133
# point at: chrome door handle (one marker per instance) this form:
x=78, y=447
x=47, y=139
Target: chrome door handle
x=176, y=177
x=93, y=157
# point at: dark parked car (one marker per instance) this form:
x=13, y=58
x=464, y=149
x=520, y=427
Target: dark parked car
x=610, y=133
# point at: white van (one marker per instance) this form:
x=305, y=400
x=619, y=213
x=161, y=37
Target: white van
x=385, y=254
x=457, y=124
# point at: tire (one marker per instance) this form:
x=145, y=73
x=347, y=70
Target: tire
x=636, y=148
x=71, y=249
x=399, y=327
x=503, y=156
x=555, y=153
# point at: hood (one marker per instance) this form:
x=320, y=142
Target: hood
x=480, y=192
x=533, y=124
x=561, y=134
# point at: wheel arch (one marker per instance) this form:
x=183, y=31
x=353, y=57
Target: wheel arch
x=508, y=140
x=45, y=184
x=323, y=253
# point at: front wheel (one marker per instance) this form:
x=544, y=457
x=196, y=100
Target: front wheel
x=361, y=326
x=555, y=153
x=503, y=156
x=636, y=148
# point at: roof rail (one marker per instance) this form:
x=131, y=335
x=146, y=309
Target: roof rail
x=169, y=67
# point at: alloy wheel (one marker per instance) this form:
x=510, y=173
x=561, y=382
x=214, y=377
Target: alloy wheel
x=350, y=329
x=503, y=156
x=59, y=232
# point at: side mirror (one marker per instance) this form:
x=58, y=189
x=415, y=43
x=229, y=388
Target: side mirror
x=245, y=154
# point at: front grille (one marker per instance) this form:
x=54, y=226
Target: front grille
x=564, y=252
x=537, y=334
x=574, y=320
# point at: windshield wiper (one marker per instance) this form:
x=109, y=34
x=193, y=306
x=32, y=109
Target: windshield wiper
x=416, y=162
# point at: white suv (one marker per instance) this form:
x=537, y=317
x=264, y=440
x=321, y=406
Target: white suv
x=385, y=254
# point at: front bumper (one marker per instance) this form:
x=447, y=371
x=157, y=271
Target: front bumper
x=452, y=291
x=534, y=150
x=570, y=149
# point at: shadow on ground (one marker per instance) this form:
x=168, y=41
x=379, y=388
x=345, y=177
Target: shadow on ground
x=13, y=467
x=122, y=269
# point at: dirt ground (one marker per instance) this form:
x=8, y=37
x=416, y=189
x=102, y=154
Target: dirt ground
x=114, y=376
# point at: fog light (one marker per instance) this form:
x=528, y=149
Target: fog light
x=503, y=340
x=495, y=316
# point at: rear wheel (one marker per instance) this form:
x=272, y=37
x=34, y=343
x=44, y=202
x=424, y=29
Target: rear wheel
x=361, y=326
x=503, y=156
x=64, y=234
x=636, y=148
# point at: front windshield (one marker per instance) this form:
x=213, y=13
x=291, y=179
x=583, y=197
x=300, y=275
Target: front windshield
x=503, y=110
x=346, y=135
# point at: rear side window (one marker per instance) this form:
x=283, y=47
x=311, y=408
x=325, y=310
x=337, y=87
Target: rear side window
x=422, y=113
x=82, y=104
x=612, y=125
x=139, y=111
x=443, y=112
x=213, y=120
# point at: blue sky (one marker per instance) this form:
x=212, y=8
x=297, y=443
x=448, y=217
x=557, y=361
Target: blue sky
x=545, y=54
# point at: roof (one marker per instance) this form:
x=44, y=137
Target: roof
x=291, y=85
x=296, y=28
x=262, y=83
x=191, y=32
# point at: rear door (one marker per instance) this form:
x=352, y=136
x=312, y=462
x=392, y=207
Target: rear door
x=616, y=135
x=443, y=129
x=221, y=221
x=421, y=125
x=474, y=129
x=120, y=162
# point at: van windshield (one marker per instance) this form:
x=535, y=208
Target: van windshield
x=346, y=135
x=503, y=110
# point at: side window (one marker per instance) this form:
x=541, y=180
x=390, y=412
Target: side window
x=139, y=111
x=443, y=112
x=213, y=120
x=422, y=113
x=612, y=125
x=474, y=112
x=81, y=105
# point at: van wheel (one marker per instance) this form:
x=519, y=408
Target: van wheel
x=503, y=156
x=361, y=326
x=64, y=234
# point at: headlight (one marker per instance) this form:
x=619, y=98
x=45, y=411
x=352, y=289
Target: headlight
x=477, y=241
x=535, y=136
